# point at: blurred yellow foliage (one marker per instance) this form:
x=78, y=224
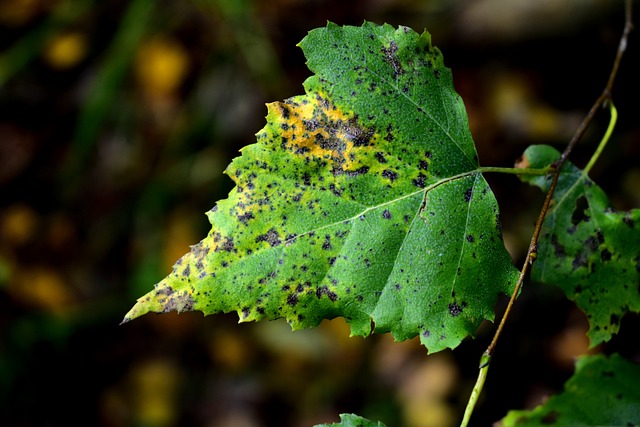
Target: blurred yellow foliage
x=425, y=389
x=154, y=386
x=179, y=236
x=230, y=350
x=18, y=224
x=42, y=288
x=160, y=66
x=66, y=50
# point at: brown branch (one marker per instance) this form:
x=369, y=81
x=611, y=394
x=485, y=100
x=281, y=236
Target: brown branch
x=604, y=97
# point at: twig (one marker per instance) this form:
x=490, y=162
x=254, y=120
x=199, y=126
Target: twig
x=532, y=252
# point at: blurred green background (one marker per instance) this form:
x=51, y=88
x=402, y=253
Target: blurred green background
x=117, y=119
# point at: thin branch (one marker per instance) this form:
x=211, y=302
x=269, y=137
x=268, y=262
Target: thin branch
x=532, y=252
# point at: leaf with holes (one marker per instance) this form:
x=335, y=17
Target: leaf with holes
x=362, y=198
x=587, y=248
x=602, y=392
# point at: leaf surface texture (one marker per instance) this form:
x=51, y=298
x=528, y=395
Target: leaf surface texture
x=361, y=199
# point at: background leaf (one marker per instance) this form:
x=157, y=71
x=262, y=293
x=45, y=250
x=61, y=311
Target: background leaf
x=587, y=248
x=603, y=391
x=351, y=420
x=364, y=206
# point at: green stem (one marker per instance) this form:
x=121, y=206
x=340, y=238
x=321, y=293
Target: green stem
x=477, y=388
x=605, y=138
x=515, y=171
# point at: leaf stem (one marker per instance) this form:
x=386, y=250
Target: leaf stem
x=515, y=171
x=605, y=138
x=532, y=252
x=477, y=388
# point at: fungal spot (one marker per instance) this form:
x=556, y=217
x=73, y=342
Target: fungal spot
x=420, y=181
x=271, y=236
x=557, y=247
x=327, y=243
x=391, y=58
x=292, y=299
x=579, y=261
x=390, y=175
x=380, y=157
x=628, y=221
x=324, y=290
x=360, y=171
x=386, y=214
x=244, y=218
x=187, y=271
x=228, y=245
x=470, y=238
x=424, y=165
x=468, y=194
x=175, y=301
x=455, y=309
x=245, y=312
x=591, y=243
x=605, y=255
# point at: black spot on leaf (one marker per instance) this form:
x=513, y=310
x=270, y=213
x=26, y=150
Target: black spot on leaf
x=380, y=157
x=557, y=247
x=391, y=58
x=468, y=194
x=390, y=175
x=579, y=261
x=455, y=309
x=271, y=236
x=420, y=181
x=292, y=299
x=244, y=218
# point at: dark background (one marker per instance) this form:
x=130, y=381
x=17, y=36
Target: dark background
x=117, y=119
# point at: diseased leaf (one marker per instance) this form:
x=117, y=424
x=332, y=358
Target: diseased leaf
x=361, y=199
x=351, y=420
x=602, y=392
x=587, y=248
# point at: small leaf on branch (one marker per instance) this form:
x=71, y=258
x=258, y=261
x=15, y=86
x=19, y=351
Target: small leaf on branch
x=362, y=198
x=587, y=248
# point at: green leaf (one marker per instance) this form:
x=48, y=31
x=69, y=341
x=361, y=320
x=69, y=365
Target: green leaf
x=587, y=248
x=351, y=420
x=361, y=199
x=602, y=392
